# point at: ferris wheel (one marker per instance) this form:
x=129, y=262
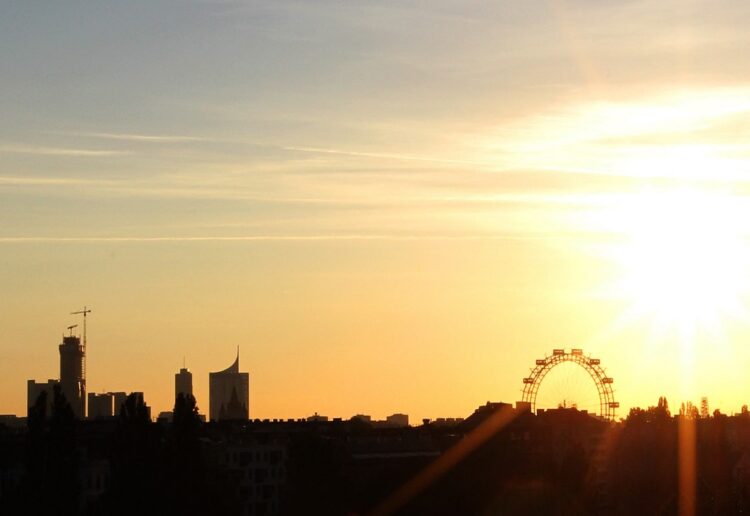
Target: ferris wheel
x=606, y=405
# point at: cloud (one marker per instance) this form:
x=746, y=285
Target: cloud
x=670, y=135
x=52, y=181
x=152, y=138
x=381, y=155
x=272, y=238
x=58, y=151
x=238, y=193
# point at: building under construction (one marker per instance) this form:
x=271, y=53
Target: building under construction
x=72, y=372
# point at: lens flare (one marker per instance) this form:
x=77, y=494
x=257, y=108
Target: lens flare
x=684, y=259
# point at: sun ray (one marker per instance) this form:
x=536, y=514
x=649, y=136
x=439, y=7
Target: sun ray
x=682, y=258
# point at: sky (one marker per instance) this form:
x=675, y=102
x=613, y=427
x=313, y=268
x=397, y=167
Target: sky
x=388, y=206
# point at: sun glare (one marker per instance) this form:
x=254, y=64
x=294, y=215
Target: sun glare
x=684, y=259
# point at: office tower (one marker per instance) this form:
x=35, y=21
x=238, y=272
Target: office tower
x=183, y=382
x=229, y=393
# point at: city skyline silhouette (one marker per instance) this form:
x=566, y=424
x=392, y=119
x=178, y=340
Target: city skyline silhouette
x=271, y=258
x=599, y=402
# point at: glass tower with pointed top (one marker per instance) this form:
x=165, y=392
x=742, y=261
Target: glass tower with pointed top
x=229, y=393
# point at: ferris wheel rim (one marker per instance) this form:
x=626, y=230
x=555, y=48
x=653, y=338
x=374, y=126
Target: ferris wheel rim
x=607, y=404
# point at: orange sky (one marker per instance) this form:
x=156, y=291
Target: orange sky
x=388, y=208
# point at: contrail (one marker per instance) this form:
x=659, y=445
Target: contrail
x=58, y=151
x=272, y=238
x=407, y=157
x=155, y=138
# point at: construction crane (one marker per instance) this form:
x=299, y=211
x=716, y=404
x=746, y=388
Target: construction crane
x=83, y=312
x=71, y=328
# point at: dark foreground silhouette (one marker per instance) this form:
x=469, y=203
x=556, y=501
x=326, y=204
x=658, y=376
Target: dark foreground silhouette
x=557, y=462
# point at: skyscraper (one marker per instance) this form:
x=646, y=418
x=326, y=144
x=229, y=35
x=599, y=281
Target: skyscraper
x=183, y=382
x=229, y=393
x=72, y=374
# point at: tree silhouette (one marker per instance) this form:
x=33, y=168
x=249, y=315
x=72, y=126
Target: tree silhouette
x=662, y=406
x=185, y=417
x=36, y=455
x=51, y=484
x=185, y=470
x=192, y=487
x=136, y=460
x=63, y=466
x=134, y=411
x=644, y=461
x=38, y=414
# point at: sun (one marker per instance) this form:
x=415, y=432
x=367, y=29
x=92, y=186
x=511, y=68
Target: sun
x=684, y=259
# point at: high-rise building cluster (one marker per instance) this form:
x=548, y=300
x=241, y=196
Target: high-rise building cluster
x=229, y=390
x=72, y=385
